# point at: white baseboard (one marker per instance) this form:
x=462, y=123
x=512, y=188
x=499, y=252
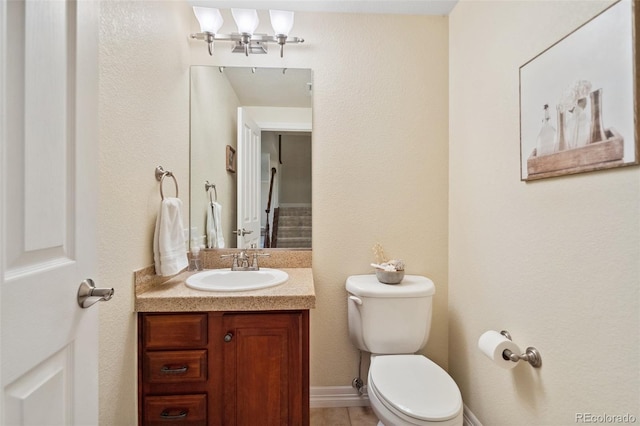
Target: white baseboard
x=469, y=419
x=336, y=396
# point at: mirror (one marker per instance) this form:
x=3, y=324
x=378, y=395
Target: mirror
x=270, y=172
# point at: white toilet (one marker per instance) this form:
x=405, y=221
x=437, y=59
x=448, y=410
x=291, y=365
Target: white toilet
x=392, y=322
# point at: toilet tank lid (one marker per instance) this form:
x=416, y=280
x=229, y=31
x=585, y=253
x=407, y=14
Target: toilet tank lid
x=369, y=286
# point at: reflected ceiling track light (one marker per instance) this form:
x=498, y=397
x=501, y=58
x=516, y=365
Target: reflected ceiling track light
x=245, y=40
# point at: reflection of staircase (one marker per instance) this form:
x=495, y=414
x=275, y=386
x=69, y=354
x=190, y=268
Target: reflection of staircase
x=292, y=227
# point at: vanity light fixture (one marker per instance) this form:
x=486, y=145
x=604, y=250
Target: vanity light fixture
x=245, y=40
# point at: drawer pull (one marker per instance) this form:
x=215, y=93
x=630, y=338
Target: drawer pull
x=168, y=370
x=228, y=337
x=168, y=416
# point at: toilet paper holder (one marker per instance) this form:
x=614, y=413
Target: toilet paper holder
x=531, y=355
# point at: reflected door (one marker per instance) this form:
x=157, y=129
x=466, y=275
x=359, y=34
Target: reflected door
x=248, y=169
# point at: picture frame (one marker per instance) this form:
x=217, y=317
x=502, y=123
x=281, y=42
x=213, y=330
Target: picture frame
x=578, y=99
x=231, y=159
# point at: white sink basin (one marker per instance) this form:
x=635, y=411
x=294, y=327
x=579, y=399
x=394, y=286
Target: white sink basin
x=228, y=280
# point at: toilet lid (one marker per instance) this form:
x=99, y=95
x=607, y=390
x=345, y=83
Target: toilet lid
x=416, y=386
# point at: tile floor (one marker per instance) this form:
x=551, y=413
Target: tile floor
x=343, y=416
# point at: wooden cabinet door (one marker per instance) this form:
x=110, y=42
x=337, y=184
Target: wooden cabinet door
x=263, y=369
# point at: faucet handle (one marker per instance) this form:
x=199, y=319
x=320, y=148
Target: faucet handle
x=234, y=265
x=255, y=258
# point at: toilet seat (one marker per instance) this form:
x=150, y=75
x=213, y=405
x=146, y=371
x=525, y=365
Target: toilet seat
x=415, y=388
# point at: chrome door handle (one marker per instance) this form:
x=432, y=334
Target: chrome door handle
x=242, y=232
x=89, y=294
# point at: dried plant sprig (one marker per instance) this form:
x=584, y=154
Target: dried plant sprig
x=378, y=253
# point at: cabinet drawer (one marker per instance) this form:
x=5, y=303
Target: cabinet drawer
x=175, y=331
x=175, y=409
x=175, y=366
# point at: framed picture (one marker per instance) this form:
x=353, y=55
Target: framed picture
x=231, y=159
x=578, y=99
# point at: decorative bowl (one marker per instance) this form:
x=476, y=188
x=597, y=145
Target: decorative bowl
x=389, y=277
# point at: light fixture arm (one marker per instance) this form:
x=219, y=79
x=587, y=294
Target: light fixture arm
x=282, y=39
x=209, y=37
x=245, y=39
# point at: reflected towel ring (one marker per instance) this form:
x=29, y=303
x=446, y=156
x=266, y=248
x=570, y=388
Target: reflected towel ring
x=161, y=173
x=207, y=187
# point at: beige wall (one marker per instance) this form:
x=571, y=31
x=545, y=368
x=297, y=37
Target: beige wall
x=556, y=262
x=144, y=122
x=214, y=125
x=379, y=154
x=295, y=171
x=380, y=131
x=379, y=167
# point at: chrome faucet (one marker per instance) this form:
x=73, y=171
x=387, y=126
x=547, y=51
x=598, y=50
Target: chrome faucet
x=242, y=258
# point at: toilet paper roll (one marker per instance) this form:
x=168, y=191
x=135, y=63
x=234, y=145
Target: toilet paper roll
x=492, y=344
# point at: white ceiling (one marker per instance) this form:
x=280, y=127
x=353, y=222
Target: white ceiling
x=410, y=7
x=271, y=87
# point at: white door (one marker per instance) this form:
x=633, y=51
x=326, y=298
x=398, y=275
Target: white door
x=248, y=182
x=48, y=135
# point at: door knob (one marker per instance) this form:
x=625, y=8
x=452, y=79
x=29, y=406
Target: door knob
x=89, y=294
x=228, y=337
x=242, y=232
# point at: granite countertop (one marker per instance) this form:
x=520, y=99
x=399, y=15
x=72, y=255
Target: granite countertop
x=172, y=295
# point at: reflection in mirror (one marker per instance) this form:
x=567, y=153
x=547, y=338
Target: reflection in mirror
x=262, y=181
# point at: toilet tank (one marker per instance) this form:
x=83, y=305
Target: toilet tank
x=389, y=319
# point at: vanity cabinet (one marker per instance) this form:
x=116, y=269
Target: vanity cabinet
x=224, y=368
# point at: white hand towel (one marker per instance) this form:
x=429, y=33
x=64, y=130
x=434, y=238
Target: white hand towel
x=217, y=208
x=215, y=238
x=210, y=227
x=169, y=251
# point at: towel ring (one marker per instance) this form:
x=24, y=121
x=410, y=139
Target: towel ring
x=161, y=173
x=207, y=187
